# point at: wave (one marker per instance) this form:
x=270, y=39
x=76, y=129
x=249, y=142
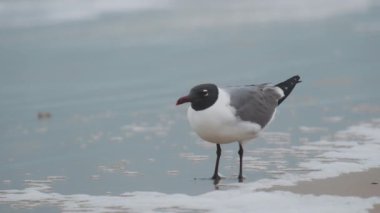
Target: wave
x=359, y=144
x=191, y=14
x=27, y=13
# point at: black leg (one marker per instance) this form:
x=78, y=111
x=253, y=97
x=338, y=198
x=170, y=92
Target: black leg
x=216, y=176
x=241, y=151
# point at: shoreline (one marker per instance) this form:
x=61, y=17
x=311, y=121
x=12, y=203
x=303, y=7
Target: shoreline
x=363, y=184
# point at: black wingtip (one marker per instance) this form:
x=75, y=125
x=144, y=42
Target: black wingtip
x=296, y=79
x=287, y=86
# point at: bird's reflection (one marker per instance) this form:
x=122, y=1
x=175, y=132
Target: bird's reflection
x=218, y=182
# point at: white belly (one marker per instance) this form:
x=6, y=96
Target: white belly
x=218, y=123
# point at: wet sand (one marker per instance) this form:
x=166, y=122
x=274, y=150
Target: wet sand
x=358, y=184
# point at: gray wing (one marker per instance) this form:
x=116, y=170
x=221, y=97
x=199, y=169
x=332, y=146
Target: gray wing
x=255, y=103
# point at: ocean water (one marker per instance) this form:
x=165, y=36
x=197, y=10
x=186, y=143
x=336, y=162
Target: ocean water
x=109, y=73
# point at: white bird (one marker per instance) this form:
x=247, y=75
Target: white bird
x=234, y=114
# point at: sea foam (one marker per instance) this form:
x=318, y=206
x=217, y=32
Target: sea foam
x=246, y=197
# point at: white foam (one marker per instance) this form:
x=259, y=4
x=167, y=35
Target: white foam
x=333, y=119
x=216, y=201
x=160, y=129
x=23, y=13
x=276, y=137
x=193, y=157
x=337, y=156
x=256, y=11
x=312, y=129
x=239, y=197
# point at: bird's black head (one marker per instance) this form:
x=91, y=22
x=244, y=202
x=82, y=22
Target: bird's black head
x=201, y=97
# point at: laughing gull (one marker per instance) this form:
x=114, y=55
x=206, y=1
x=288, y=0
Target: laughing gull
x=234, y=114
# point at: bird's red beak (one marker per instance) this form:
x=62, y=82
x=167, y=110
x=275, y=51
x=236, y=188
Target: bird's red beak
x=182, y=100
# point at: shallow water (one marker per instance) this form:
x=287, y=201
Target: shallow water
x=110, y=77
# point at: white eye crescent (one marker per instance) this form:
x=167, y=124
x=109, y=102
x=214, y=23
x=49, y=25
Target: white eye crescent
x=205, y=92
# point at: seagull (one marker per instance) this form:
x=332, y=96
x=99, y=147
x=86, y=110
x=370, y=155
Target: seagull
x=222, y=115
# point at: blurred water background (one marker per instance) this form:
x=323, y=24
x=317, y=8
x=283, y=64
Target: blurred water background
x=110, y=72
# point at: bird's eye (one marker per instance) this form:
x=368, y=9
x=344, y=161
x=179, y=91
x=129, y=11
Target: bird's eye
x=204, y=92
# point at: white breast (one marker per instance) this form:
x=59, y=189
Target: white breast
x=218, y=123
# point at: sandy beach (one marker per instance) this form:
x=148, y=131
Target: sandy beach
x=89, y=121
x=357, y=184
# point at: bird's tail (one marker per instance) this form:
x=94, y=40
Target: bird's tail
x=287, y=86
